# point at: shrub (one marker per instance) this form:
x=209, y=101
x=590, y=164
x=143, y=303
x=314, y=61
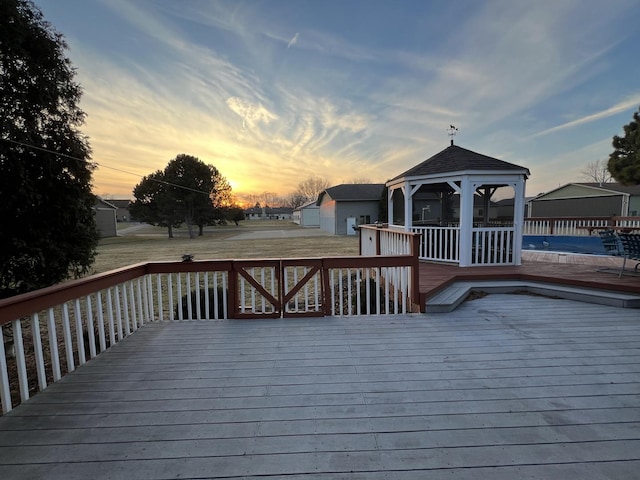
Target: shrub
x=212, y=295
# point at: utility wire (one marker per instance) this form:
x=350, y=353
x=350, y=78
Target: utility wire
x=26, y=145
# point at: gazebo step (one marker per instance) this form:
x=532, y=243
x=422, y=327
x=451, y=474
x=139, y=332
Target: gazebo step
x=449, y=298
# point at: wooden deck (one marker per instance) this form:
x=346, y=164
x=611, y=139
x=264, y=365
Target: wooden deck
x=505, y=387
x=588, y=271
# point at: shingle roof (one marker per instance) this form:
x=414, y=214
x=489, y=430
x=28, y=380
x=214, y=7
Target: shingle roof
x=353, y=192
x=616, y=187
x=456, y=159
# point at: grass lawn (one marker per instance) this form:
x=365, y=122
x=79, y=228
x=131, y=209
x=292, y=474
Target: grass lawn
x=152, y=243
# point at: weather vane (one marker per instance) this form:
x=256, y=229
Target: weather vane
x=452, y=130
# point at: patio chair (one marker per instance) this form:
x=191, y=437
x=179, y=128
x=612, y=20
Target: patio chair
x=631, y=249
x=610, y=242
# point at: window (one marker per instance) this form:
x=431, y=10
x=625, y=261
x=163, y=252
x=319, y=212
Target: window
x=364, y=220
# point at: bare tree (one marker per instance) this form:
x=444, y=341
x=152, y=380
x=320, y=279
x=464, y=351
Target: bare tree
x=312, y=187
x=597, y=171
x=294, y=200
x=269, y=199
x=359, y=180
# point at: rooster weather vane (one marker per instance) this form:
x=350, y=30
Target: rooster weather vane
x=452, y=130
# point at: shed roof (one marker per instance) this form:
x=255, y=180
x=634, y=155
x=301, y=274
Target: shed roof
x=353, y=192
x=456, y=159
x=594, y=188
x=616, y=187
x=312, y=204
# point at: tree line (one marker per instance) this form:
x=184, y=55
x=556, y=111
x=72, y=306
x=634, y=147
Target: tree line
x=306, y=191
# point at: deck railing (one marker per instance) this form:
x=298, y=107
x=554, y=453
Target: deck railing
x=47, y=333
x=382, y=240
x=576, y=226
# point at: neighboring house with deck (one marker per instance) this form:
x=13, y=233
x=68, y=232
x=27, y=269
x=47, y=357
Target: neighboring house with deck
x=587, y=200
x=344, y=207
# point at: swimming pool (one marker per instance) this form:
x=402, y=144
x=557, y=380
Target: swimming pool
x=552, y=243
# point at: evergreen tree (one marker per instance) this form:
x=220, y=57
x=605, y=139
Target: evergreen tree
x=155, y=203
x=186, y=191
x=624, y=162
x=49, y=231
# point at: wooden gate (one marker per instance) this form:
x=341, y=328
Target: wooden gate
x=277, y=288
x=256, y=288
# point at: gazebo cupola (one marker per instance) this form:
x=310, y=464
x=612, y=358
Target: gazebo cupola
x=447, y=199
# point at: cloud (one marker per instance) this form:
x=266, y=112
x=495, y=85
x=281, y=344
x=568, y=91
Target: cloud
x=293, y=41
x=251, y=114
x=617, y=108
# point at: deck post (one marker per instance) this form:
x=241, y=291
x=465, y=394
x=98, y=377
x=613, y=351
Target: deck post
x=415, y=273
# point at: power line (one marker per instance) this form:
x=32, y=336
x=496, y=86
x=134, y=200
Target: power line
x=26, y=145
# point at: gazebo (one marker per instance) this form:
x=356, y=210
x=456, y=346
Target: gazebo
x=447, y=199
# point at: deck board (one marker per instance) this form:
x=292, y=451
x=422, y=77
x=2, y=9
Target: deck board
x=585, y=271
x=507, y=386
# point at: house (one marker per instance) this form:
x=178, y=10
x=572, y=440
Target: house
x=307, y=215
x=268, y=213
x=344, y=207
x=105, y=214
x=504, y=207
x=587, y=200
x=122, y=206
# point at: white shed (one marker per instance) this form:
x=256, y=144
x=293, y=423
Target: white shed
x=307, y=215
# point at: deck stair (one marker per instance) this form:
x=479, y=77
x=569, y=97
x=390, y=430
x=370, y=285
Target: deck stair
x=451, y=296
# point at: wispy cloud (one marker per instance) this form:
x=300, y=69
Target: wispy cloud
x=620, y=107
x=251, y=113
x=293, y=40
x=339, y=102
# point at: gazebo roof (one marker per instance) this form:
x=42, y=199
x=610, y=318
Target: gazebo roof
x=457, y=159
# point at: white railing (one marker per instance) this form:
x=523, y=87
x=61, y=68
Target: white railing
x=382, y=240
x=492, y=246
x=369, y=240
x=627, y=222
x=370, y=291
x=48, y=333
x=576, y=226
x=533, y=226
x=439, y=243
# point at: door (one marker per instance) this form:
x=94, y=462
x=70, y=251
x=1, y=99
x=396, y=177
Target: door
x=352, y=226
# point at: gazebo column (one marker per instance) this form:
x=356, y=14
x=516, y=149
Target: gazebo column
x=466, y=222
x=518, y=220
x=408, y=207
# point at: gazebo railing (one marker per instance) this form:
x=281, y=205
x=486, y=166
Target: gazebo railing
x=439, y=243
x=492, y=245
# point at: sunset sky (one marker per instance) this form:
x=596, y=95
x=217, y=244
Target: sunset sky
x=274, y=91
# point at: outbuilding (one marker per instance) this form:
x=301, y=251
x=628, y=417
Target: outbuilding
x=588, y=200
x=105, y=214
x=344, y=207
x=307, y=215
